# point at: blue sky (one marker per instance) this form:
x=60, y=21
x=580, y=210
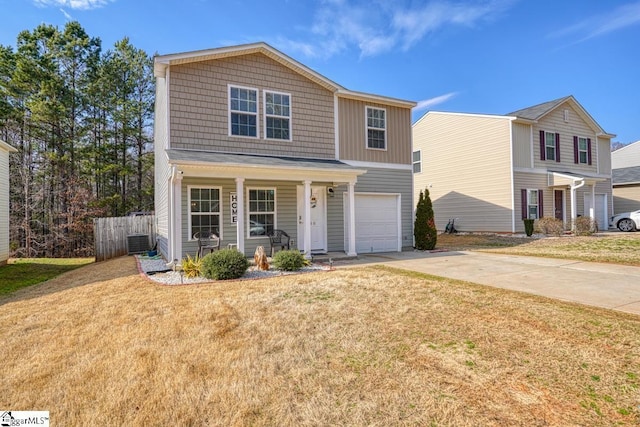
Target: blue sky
x=477, y=56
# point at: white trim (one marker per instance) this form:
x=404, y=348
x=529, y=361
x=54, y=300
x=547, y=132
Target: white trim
x=413, y=162
x=582, y=175
x=564, y=203
x=513, y=178
x=264, y=115
x=446, y=113
x=350, y=214
x=229, y=111
x=537, y=202
x=248, y=215
x=555, y=155
x=336, y=125
x=241, y=221
x=167, y=112
x=374, y=165
x=585, y=151
x=220, y=209
x=367, y=127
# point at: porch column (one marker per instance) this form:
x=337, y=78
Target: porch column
x=592, y=209
x=306, y=220
x=352, y=219
x=241, y=220
x=177, y=217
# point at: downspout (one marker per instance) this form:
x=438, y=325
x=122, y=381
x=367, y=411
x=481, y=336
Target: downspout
x=574, y=203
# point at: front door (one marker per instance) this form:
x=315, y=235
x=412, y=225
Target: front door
x=558, y=199
x=318, y=219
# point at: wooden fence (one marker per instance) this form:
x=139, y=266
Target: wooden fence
x=111, y=234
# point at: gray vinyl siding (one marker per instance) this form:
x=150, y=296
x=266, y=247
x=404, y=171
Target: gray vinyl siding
x=626, y=198
x=200, y=108
x=162, y=170
x=4, y=206
x=521, y=134
x=604, y=160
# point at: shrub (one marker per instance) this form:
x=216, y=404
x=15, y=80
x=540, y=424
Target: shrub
x=528, y=226
x=291, y=260
x=424, y=227
x=550, y=225
x=191, y=266
x=224, y=264
x=584, y=226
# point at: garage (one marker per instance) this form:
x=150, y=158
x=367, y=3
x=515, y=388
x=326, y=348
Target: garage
x=377, y=218
x=600, y=209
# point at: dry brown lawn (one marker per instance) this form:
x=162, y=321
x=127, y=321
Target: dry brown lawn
x=619, y=248
x=366, y=346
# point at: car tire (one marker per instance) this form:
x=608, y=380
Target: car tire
x=626, y=224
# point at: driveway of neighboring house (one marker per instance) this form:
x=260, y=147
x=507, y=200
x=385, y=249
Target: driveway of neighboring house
x=609, y=286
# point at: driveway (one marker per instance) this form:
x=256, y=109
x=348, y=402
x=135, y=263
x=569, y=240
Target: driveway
x=609, y=286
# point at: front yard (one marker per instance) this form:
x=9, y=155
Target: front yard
x=102, y=345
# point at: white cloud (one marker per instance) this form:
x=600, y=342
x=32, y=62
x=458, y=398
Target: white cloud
x=379, y=26
x=66, y=15
x=594, y=26
x=74, y=4
x=428, y=103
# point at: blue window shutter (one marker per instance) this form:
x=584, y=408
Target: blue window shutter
x=589, y=150
x=558, y=147
x=542, y=148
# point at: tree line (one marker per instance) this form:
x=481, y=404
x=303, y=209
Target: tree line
x=82, y=122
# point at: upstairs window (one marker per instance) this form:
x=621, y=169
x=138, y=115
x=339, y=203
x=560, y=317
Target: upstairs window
x=243, y=111
x=583, y=152
x=417, y=161
x=549, y=146
x=376, y=128
x=277, y=113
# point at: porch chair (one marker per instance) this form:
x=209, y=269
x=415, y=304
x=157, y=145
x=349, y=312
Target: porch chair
x=278, y=239
x=207, y=240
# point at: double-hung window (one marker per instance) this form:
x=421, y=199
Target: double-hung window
x=550, y=145
x=277, y=115
x=532, y=204
x=583, y=150
x=376, y=128
x=204, y=210
x=262, y=211
x=243, y=111
x=417, y=161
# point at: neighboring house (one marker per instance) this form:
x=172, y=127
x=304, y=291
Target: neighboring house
x=625, y=164
x=5, y=149
x=248, y=140
x=491, y=171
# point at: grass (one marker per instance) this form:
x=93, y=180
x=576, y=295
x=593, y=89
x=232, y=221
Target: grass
x=618, y=248
x=22, y=272
x=363, y=346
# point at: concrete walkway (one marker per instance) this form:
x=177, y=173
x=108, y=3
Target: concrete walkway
x=609, y=286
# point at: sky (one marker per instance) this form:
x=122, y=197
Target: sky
x=471, y=56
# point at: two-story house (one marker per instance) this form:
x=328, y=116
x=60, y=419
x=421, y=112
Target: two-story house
x=492, y=171
x=248, y=140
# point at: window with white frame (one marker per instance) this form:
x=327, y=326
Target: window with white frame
x=532, y=204
x=376, y=128
x=262, y=211
x=204, y=210
x=277, y=115
x=243, y=111
x=417, y=161
x=583, y=150
x=550, y=145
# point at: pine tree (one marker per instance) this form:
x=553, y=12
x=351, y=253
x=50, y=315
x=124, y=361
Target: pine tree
x=424, y=228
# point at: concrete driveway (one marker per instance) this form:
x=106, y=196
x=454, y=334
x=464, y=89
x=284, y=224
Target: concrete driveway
x=609, y=286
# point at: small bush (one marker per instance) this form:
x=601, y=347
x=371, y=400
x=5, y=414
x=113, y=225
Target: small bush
x=584, y=226
x=224, y=264
x=528, y=226
x=191, y=266
x=550, y=226
x=291, y=260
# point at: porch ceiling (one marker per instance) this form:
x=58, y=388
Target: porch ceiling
x=567, y=179
x=224, y=165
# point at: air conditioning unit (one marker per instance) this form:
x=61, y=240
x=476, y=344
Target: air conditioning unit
x=137, y=243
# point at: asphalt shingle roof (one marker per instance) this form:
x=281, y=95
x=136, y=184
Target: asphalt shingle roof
x=537, y=111
x=626, y=175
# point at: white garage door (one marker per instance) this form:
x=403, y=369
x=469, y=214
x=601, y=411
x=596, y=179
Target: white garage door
x=377, y=223
x=601, y=209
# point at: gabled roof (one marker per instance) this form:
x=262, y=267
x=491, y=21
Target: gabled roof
x=161, y=63
x=629, y=175
x=536, y=112
x=6, y=147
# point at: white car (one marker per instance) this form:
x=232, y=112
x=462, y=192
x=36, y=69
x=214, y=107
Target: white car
x=628, y=221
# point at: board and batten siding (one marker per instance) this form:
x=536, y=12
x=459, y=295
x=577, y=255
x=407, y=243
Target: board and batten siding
x=4, y=206
x=353, y=133
x=521, y=135
x=573, y=126
x=466, y=165
x=626, y=198
x=199, y=104
x=162, y=169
